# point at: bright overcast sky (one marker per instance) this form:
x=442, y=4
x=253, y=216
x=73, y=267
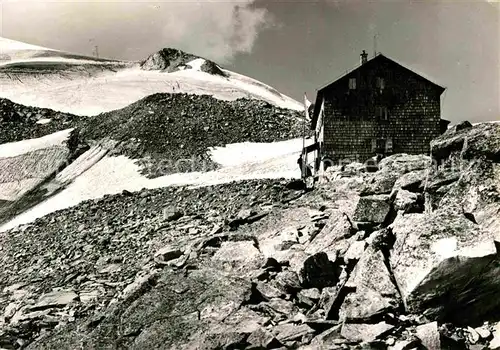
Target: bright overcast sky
x=295, y=46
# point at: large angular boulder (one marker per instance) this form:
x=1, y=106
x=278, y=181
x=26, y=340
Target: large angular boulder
x=373, y=291
x=373, y=209
x=481, y=140
x=405, y=163
x=465, y=162
x=429, y=336
x=238, y=257
x=475, y=194
x=360, y=332
x=412, y=181
x=445, y=266
x=327, y=339
x=336, y=229
x=390, y=170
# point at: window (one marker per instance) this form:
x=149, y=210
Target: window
x=380, y=83
x=381, y=112
x=352, y=83
x=382, y=146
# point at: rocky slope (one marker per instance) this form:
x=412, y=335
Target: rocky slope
x=19, y=122
x=401, y=258
x=170, y=133
x=163, y=134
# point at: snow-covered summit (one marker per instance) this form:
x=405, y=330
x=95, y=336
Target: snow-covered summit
x=83, y=85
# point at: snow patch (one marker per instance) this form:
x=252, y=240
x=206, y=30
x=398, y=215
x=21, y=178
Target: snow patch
x=8, y=45
x=111, y=175
x=11, y=191
x=90, y=93
x=50, y=60
x=13, y=149
x=491, y=121
x=196, y=64
x=246, y=152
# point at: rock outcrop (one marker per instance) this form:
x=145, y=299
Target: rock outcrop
x=446, y=260
x=171, y=60
x=172, y=133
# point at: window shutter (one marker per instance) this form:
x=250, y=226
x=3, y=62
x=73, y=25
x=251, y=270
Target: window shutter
x=374, y=145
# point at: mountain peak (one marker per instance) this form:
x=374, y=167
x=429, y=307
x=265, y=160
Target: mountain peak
x=172, y=60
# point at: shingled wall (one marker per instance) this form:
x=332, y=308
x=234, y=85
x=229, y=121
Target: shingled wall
x=411, y=126
x=413, y=114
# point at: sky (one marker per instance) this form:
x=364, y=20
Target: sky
x=295, y=46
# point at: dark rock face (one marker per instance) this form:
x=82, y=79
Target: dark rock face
x=319, y=272
x=171, y=60
x=18, y=122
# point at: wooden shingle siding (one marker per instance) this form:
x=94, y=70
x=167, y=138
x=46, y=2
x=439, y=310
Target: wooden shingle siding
x=353, y=119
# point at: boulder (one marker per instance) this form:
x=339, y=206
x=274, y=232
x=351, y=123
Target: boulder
x=289, y=331
x=167, y=253
x=289, y=281
x=263, y=339
x=330, y=301
x=238, y=257
x=355, y=251
x=445, y=266
x=483, y=332
x=429, y=336
x=373, y=291
x=328, y=339
x=481, y=140
x=278, y=309
x=465, y=173
x=408, y=202
x=268, y=291
x=361, y=332
x=337, y=228
x=412, y=181
x=372, y=209
x=495, y=342
x=390, y=170
x=475, y=194
x=171, y=214
x=405, y=163
x=311, y=293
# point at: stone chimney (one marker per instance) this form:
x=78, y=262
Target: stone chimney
x=364, y=57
